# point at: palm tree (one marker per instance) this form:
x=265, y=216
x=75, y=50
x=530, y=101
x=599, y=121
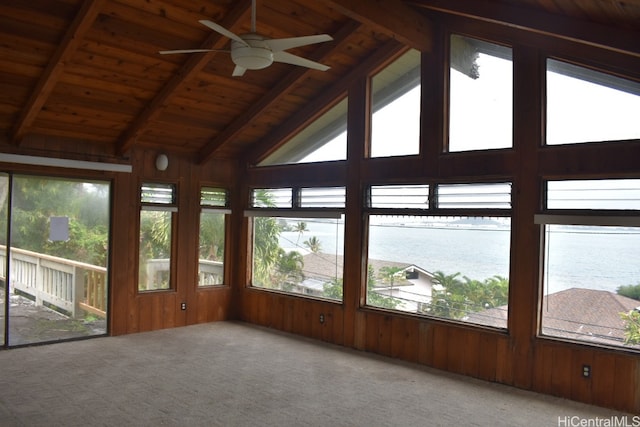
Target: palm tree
x=449, y=302
x=448, y=281
x=266, y=247
x=289, y=268
x=313, y=244
x=389, y=274
x=374, y=298
x=212, y=228
x=300, y=228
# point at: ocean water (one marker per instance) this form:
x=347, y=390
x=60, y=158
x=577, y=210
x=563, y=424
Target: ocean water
x=583, y=257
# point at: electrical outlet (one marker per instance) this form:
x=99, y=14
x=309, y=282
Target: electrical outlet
x=321, y=318
x=183, y=306
x=586, y=371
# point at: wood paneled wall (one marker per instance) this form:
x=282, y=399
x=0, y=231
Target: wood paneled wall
x=132, y=311
x=517, y=357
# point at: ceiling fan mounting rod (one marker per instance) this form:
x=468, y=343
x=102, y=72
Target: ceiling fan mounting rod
x=253, y=16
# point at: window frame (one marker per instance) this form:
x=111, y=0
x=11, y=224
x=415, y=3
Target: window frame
x=225, y=210
x=605, y=77
x=389, y=93
x=172, y=208
x=295, y=210
x=432, y=210
x=577, y=217
x=482, y=40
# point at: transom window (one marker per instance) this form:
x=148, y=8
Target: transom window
x=325, y=139
x=584, y=105
x=395, y=124
x=480, y=95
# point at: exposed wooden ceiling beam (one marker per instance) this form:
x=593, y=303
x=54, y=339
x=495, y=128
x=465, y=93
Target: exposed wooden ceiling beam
x=195, y=63
x=392, y=17
x=558, y=26
x=304, y=116
x=274, y=95
x=49, y=78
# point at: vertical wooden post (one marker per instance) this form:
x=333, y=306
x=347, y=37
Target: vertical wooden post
x=523, y=292
x=355, y=254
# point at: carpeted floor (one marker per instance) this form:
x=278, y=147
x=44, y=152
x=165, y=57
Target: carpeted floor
x=233, y=374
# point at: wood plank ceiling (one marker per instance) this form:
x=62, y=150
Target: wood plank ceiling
x=87, y=73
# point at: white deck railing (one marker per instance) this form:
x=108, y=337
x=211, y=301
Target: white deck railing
x=76, y=287
x=68, y=285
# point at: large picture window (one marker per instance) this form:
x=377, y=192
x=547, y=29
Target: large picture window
x=591, y=277
x=298, y=240
x=453, y=266
x=157, y=212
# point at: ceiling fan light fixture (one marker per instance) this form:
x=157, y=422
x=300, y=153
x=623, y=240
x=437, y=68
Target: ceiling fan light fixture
x=256, y=56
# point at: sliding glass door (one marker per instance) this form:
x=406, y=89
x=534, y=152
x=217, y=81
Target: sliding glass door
x=55, y=281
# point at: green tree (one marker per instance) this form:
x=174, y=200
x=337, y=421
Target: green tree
x=300, y=228
x=492, y=292
x=458, y=297
x=374, y=298
x=289, y=268
x=450, y=301
x=266, y=232
x=212, y=235
x=313, y=244
x=498, y=291
x=629, y=291
x=631, y=327
x=266, y=246
x=35, y=200
x=334, y=289
x=389, y=274
x=272, y=266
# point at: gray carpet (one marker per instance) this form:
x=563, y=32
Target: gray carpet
x=233, y=374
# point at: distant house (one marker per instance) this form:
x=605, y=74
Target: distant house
x=414, y=289
x=413, y=286
x=576, y=313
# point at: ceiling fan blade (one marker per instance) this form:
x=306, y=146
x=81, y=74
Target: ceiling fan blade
x=221, y=30
x=278, y=45
x=238, y=71
x=289, y=58
x=171, y=52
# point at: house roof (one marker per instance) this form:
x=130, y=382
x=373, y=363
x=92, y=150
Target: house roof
x=321, y=265
x=576, y=313
x=87, y=75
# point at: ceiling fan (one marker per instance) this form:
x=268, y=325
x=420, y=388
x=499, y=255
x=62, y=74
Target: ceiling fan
x=252, y=51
